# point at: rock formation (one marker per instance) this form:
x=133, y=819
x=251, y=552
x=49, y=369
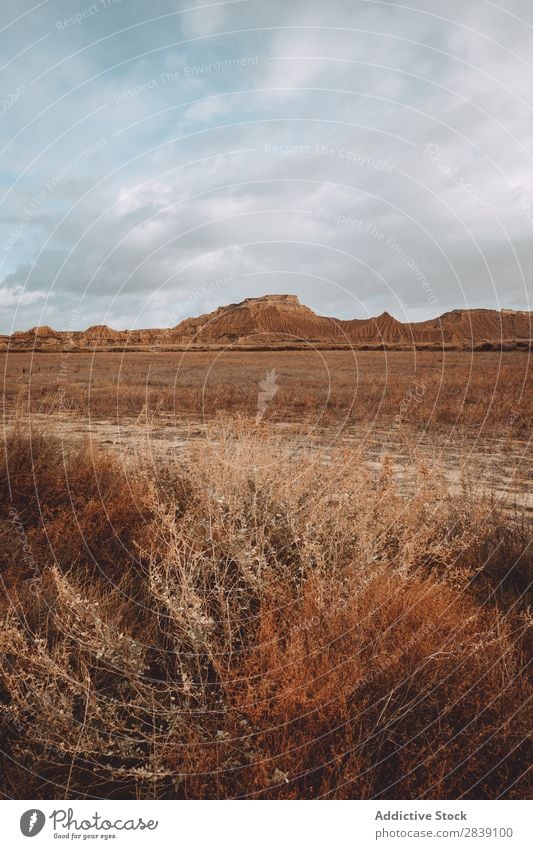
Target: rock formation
x=274, y=321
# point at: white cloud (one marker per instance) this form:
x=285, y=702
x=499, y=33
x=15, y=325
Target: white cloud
x=172, y=200
x=16, y=296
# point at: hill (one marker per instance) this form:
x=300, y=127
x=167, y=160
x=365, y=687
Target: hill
x=281, y=321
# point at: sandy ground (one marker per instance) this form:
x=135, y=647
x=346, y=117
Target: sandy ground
x=499, y=468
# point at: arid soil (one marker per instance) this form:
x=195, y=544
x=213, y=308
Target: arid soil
x=466, y=417
x=484, y=392
x=496, y=468
x=272, y=575
x=243, y=619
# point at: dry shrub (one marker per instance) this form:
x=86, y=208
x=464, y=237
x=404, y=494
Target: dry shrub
x=70, y=504
x=289, y=628
x=384, y=696
x=483, y=392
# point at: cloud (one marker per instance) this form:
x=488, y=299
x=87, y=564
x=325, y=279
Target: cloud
x=16, y=296
x=300, y=120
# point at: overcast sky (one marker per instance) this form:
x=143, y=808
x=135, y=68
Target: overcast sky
x=161, y=159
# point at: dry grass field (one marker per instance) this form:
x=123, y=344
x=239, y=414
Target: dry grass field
x=480, y=391
x=262, y=613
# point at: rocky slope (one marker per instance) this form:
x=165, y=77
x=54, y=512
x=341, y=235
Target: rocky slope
x=282, y=321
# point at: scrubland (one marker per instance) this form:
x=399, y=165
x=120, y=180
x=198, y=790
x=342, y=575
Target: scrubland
x=243, y=621
x=483, y=392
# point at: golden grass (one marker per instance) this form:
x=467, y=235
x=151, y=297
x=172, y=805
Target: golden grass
x=247, y=622
x=480, y=391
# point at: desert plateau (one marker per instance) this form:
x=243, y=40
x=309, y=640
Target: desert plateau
x=253, y=570
x=266, y=410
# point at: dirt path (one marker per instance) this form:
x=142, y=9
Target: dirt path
x=498, y=468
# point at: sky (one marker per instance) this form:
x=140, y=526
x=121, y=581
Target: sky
x=160, y=159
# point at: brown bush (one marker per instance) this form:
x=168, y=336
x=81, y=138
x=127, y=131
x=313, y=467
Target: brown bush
x=276, y=626
x=71, y=505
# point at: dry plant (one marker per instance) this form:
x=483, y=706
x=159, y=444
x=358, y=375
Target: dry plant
x=252, y=620
x=480, y=391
